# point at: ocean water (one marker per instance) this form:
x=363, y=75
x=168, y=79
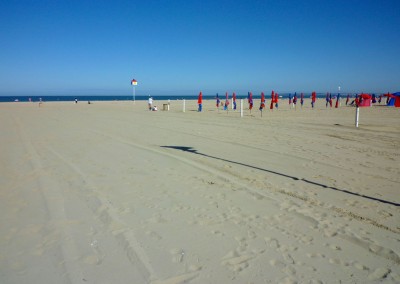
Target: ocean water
x=139, y=98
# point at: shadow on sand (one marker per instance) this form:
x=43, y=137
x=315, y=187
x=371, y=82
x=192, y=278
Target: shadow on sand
x=194, y=151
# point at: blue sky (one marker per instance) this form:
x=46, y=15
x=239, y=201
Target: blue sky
x=181, y=47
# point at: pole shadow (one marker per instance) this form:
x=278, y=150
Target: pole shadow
x=194, y=151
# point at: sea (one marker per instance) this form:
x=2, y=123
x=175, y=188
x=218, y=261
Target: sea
x=92, y=98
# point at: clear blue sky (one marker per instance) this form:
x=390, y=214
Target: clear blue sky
x=181, y=47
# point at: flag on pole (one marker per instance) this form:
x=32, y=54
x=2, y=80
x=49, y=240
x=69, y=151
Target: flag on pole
x=133, y=82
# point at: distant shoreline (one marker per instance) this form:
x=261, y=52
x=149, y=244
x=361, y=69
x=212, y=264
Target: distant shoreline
x=143, y=98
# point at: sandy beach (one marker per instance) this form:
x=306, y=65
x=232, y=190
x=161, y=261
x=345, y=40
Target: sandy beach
x=110, y=192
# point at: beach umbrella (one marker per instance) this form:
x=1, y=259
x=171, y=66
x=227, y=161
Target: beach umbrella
x=234, y=100
x=337, y=101
x=313, y=99
x=250, y=100
x=262, y=102
x=200, y=102
x=226, y=101
x=271, y=106
x=347, y=99
x=217, y=100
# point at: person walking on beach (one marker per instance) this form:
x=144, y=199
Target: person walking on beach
x=234, y=100
x=301, y=100
x=295, y=100
x=150, y=103
x=327, y=100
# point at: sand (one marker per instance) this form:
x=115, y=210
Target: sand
x=113, y=193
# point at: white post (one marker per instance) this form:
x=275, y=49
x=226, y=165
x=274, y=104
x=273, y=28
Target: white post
x=241, y=107
x=184, y=102
x=357, y=115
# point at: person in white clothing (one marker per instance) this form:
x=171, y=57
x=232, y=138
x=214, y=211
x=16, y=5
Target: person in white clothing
x=150, y=103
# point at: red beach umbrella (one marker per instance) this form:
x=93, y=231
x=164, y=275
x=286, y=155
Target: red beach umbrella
x=271, y=106
x=262, y=105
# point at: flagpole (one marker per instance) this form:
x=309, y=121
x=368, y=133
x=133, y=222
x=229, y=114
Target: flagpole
x=133, y=94
x=241, y=107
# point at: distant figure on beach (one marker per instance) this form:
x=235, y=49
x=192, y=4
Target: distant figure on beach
x=76, y=100
x=330, y=100
x=200, y=102
x=276, y=100
x=357, y=101
x=347, y=99
x=234, y=101
x=295, y=100
x=327, y=100
x=380, y=99
x=150, y=103
x=301, y=100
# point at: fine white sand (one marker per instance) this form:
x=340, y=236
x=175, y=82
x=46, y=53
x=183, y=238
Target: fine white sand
x=113, y=193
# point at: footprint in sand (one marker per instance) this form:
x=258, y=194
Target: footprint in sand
x=236, y=262
x=177, y=254
x=379, y=273
x=153, y=235
x=272, y=243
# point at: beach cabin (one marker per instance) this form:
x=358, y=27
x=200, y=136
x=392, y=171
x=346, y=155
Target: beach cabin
x=366, y=100
x=394, y=99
